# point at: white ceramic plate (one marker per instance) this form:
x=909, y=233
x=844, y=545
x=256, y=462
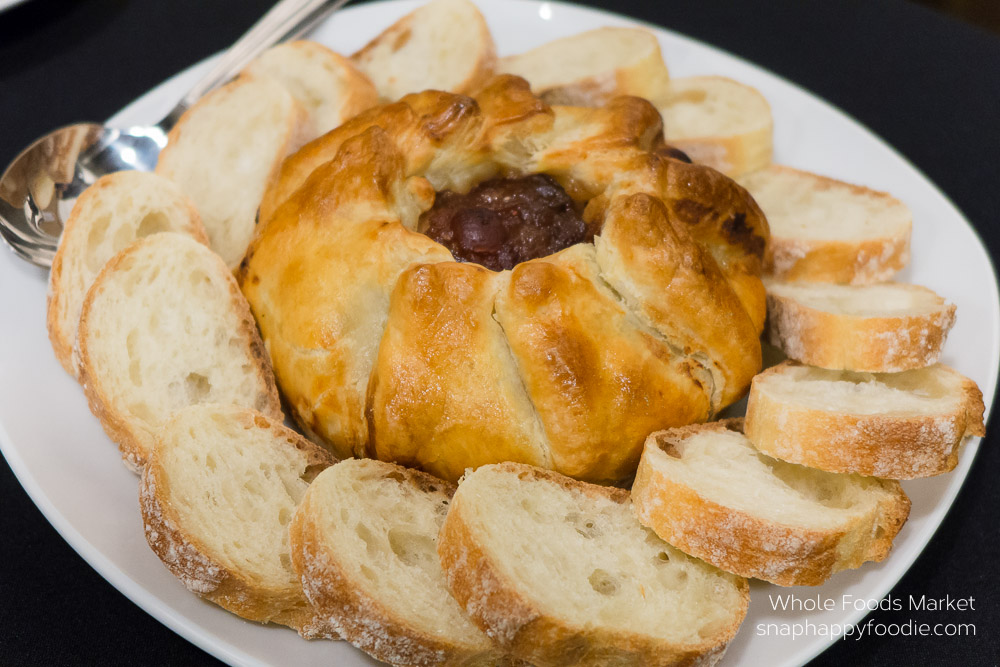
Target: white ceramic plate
x=73, y=473
x=7, y=4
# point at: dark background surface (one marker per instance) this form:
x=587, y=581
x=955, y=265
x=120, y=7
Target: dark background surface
x=984, y=13
x=927, y=83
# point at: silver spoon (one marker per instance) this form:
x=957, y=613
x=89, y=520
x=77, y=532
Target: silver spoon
x=38, y=189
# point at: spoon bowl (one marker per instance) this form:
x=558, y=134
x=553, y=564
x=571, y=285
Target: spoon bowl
x=40, y=187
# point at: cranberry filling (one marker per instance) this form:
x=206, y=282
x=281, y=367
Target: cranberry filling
x=505, y=221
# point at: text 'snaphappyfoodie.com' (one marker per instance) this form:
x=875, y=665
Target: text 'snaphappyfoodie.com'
x=871, y=627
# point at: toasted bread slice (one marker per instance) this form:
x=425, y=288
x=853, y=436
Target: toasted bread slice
x=216, y=497
x=225, y=150
x=450, y=41
x=824, y=230
x=590, y=68
x=112, y=213
x=707, y=491
x=873, y=329
x=719, y=122
x=891, y=425
x=364, y=544
x=560, y=572
x=165, y=326
x=326, y=84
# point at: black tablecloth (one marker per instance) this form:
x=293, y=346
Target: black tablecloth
x=927, y=84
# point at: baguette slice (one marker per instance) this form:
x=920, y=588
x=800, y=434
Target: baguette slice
x=559, y=572
x=707, y=491
x=225, y=150
x=872, y=329
x=216, y=497
x=110, y=214
x=165, y=326
x=444, y=45
x=894, y=425
x=363, y=543
x=824, y=230
x=719, y=122
x=590, y=68
x=326, y=84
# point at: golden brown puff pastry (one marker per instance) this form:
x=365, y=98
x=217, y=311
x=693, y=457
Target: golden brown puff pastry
x=446, y=393
x=319, y=280
x=385, y=346
x=672, y=283
x=599, y=379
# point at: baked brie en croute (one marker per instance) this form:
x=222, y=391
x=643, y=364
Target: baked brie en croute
x=621, y=296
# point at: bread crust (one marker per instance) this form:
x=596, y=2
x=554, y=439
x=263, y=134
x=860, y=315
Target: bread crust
x=862, y=261
x=360, y=618
x=358, y=192
x=354, y=92
x=511, y=619
x=856, y=343
x=135, y=443
x=891, y=446
x=229, y=224
x=59, y=318
x=734, y=154
x=202, y=571
x=482, y=66
x=646, y=77
x=737, y=541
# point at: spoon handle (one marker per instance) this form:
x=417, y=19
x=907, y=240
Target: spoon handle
x=285, y=21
